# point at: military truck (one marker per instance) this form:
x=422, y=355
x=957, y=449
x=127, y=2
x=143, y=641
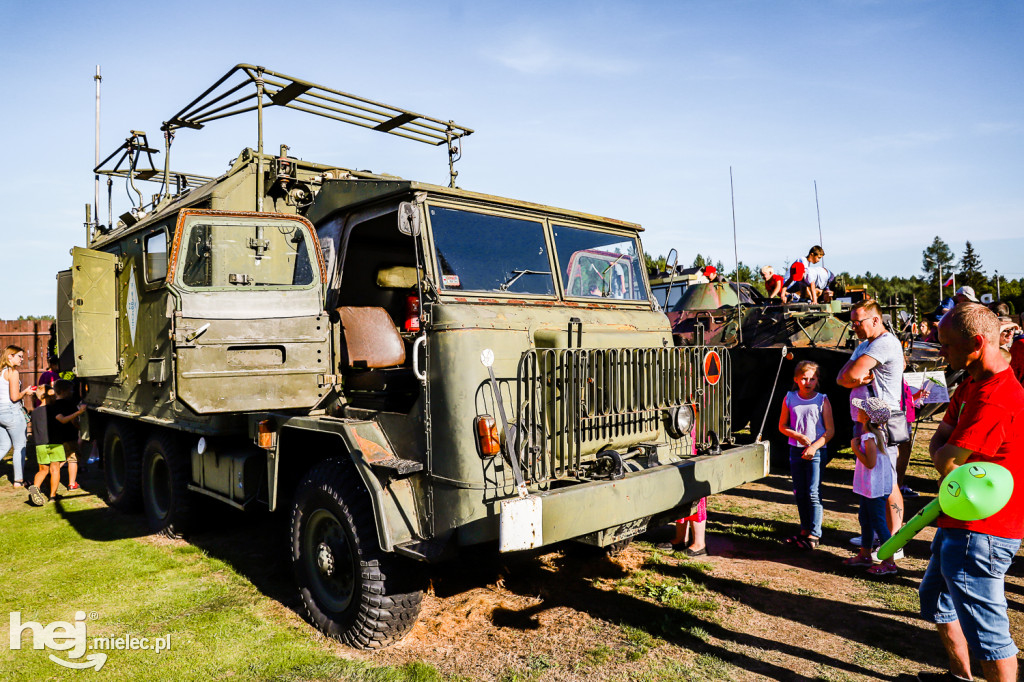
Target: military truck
x=406, y=369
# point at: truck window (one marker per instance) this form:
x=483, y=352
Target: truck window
x=156, y=257
x=479, y=252
x=598, y=264
x=660, y=290
x=236, y=255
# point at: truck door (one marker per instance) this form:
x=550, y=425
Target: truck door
x=94, y=312
x=250, y=332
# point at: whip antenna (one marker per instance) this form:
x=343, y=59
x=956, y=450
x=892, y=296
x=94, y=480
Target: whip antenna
x=736, y=257
x=817, y=208
x=96, y=176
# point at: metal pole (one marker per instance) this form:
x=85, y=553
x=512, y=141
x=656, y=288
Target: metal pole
x=259, y=141
x=998, y=297
x=939, y=263
x=96, y=178
x=736, y=257
x=817, y=207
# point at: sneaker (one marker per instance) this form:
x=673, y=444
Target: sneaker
x=857, y=561
x=35, y=497
x=897, y=555
x=74, y=486
x=908, y=491
x=855, y=541
x=92, y=460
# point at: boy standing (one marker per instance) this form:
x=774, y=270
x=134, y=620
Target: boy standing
x=55, y=434
x=64, y=427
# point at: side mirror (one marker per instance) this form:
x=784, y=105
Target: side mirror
x=409, y=218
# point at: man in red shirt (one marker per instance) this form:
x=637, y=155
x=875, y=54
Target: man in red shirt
x=962, y=590
x=1017, y=359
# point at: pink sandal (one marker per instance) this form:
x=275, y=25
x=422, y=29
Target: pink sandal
x=858, y=561
x=884, y=569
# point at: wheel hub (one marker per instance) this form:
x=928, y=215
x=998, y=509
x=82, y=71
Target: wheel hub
x=325, y=559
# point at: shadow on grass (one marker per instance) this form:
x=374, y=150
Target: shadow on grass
x=575, y=589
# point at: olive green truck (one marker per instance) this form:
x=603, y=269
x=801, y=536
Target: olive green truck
x=406, y=369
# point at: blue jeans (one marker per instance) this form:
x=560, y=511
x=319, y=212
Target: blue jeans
x=872, y=521
x=13, y=433
x=965, y=581
x=806, y=479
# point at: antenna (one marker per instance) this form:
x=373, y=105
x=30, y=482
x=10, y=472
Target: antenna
x=817, y=208
x=736, y=256
x=96, y=199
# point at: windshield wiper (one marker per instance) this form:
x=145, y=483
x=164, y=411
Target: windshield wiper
x=516, y=274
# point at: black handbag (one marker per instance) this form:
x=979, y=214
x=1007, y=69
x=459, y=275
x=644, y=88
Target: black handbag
x=897, y=430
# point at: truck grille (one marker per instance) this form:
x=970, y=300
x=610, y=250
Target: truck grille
x=573, y=402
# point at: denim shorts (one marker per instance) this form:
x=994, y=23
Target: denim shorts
x=964, y=581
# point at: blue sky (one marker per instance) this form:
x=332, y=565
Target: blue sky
x=909, y=115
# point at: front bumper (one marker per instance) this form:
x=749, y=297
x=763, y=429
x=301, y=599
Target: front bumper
x=606, y=511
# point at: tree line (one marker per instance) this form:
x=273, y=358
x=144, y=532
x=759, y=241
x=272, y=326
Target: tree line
x=937, y=258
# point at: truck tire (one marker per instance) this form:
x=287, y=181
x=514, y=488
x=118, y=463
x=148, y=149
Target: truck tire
x=350, y=588
x=121, y=466
x=165, y=496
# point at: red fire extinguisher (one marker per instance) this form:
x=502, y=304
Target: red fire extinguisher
x=412, y=312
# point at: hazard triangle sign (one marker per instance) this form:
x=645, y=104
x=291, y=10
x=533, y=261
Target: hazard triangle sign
x=712, y=367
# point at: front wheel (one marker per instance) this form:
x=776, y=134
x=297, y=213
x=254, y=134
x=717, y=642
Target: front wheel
x=351, y=590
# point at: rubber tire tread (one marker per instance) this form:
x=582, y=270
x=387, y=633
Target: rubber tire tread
x=130, y=499
x=390, y=594
x=178, y=522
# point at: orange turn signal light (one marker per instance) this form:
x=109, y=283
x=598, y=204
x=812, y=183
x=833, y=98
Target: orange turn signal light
x=487, y=434
x=265, y=434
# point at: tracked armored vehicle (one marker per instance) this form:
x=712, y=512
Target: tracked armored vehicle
x=405, y=369
x=757, y=329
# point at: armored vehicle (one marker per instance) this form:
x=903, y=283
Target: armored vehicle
x=406, y=369
x=757, y=329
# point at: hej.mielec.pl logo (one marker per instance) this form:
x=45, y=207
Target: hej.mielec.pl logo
x=72, y=638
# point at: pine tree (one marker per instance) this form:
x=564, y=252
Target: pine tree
x=971, y=273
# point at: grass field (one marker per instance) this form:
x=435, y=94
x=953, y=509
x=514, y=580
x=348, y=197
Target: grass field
x=78, y=555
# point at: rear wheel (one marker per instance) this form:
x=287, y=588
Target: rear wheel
x=121, y=466
x=351, y=590
x=165, y=495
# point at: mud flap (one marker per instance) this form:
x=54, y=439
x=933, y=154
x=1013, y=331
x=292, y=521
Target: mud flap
x=521, y=524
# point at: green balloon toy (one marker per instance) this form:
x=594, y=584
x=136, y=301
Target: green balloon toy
x=971, y=492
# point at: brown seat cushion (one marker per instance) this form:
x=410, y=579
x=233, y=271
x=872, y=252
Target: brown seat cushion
x=371, y=338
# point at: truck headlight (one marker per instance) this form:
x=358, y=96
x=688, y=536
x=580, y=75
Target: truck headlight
x=680, y=421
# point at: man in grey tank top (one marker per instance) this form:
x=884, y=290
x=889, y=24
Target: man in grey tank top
x=877, y=362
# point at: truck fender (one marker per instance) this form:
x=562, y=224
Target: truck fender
x=397, y=516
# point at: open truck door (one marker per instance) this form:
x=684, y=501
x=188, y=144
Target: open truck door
x=93, y=306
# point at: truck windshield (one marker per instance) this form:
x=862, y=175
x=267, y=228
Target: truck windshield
x=236, y=255
x=598, y=264
x=480, y=252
